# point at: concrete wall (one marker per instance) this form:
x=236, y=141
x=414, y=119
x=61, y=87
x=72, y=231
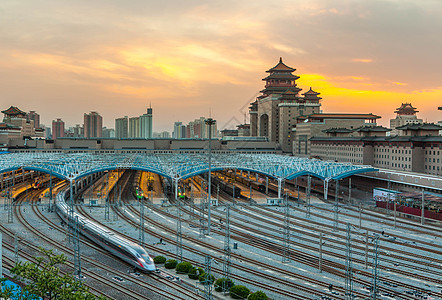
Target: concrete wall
x=143, y=145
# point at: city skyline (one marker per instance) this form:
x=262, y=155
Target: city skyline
x=118, y=57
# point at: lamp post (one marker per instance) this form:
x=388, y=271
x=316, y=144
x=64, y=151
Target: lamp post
x=209, y=122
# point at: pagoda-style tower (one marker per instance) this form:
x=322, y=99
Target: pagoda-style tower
x=280, y=80
x=312, y=96
x=405, y=114
x=273, y=114
x=406, y=109
x=13, y=112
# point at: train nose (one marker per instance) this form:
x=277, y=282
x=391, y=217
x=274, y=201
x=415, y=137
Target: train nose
x=147, y=265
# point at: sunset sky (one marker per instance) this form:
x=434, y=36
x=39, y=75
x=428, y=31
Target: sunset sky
x=64, y=58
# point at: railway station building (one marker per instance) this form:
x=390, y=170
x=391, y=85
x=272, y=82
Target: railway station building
x=16, y=124
x=417, y=149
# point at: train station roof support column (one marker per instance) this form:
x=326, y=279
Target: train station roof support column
x=280, y=187
x=326, y=180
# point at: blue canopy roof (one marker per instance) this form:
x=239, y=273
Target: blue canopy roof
x=72, y=166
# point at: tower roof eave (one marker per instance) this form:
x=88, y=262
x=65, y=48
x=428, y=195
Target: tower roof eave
x=13, y=110
x=281, y=67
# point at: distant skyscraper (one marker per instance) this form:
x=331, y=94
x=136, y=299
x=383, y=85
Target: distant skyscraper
x=93, y=125
x=179, y=130
x=48, y=133
x=134, y=127
x=146, y=124
x=165, y=135
x=57, y=129
x=32, y=115
x=122, y=128
x=108, y=132
x=78, y=131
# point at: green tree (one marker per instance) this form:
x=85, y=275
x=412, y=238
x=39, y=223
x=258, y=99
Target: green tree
x=183, y=267
x=195, y=272
x=43, y=279
x=206, y=279
x=223, y=281
x=170, y=264
x=239, y=292
x=259, y=295
x=159, y=259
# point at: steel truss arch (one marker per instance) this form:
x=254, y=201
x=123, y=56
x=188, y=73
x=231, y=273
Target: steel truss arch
x=176, y=166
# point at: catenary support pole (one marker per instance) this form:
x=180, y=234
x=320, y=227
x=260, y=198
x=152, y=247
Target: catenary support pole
x=207, y=282
x=227, y=252
x=320, y=253
x=348, y=266
x=395, y=214
x=179, y=236
x=423, y=208
x=233, y=193
x=286, y=231
x=1, y=256
x=366, y=249
x=374, y=295
x=267, y=185
x=50, y=192
x=388, y=198
x=307, y=196
x=336, y=217
x=16, y=248
x=350, y=202
x=209, y=122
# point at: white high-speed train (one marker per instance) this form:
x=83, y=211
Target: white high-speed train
x=119, y=246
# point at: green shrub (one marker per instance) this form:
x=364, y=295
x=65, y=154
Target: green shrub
x=205, y=279
x=219, y=284
x=159, y=259
x=239, y=292
x=183, y=267
x=258, y=296
x=170, y=264
x=195, y=272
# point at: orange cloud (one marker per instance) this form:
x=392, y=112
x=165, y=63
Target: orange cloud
x=362, y=60
x=338, y=97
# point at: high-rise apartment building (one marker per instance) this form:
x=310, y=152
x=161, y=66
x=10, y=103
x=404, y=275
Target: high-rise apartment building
x=32, y=115
x=57, y=129
x=78, y=131
x=197, y=129
x=165, y=135
x=108, y=132
x=93, y=125
x=179, y=130
x=134, y=127
x=122, y=128
x=146, y=124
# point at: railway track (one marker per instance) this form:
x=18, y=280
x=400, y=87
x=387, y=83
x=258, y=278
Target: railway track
x=308, y=260
x=291, y=295
x=339, y=240
x=328, y=266
x=126, y=292
x=251, y=261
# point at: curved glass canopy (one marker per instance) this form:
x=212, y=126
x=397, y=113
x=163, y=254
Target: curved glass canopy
x=72, y=166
